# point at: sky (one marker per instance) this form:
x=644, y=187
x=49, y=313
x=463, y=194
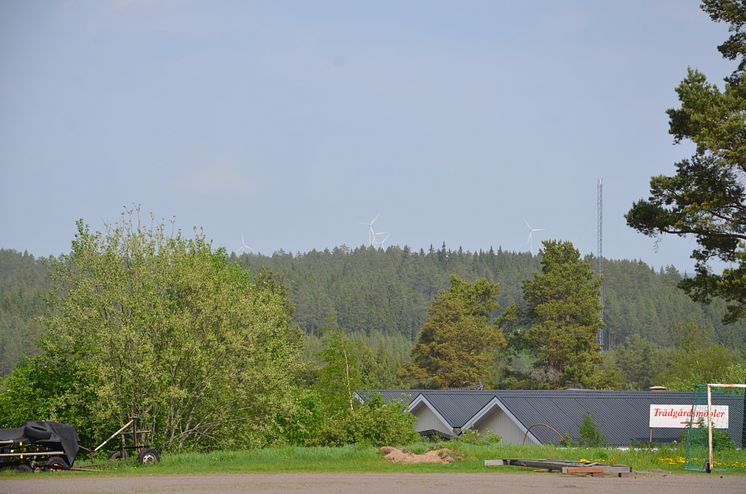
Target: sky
x=290, y=123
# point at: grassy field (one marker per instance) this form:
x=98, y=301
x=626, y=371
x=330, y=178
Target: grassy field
x=368, y=459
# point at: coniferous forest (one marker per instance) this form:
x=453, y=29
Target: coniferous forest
x=375, y=292
x=381, y=297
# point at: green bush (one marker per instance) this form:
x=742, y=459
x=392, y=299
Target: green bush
x=721, y=441
x=473, y=436
x=375, y=423
x=589, y=433
x=301, y=425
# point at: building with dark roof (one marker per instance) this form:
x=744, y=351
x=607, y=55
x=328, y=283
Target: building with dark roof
x=544, y=417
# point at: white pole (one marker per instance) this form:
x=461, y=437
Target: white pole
x=112, y=436
x=709, y=418
x=709, y=427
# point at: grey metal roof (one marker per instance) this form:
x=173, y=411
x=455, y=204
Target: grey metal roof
x=404, y=396
x=622, y=416
x=457, y=407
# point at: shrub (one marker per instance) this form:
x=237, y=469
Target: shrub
x=721, y=441
x=473, y=436
x=589, y=433
x=374, y=422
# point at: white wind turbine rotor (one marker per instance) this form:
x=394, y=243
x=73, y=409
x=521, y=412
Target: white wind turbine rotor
x=378, y=234
x=245, y=249
x=371, y=232
x=531, y=230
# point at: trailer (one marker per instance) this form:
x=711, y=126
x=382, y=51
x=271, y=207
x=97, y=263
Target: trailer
x=132, y=440
x=42, y=445
x=39, y=445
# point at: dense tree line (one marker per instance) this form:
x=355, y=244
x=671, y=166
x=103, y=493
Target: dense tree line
x=552, y=341
x=138, y=322
x=383, y=296
x=372, y=291
x=24, y=282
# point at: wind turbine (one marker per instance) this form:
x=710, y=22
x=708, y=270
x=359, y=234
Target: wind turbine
x=380, y=244
x=245, y=249
x=531, y=231
x=371, y=232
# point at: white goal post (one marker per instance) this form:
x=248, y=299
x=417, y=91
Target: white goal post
x=709, y=418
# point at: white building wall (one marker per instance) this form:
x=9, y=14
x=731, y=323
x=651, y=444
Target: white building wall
x=499, y=423
x=427, y=420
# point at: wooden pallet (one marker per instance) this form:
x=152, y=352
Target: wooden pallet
x=574, y=467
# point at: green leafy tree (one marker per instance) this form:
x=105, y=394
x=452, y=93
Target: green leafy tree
x=349, y=366
x=706, y=197
x=458, y=344
x=29, y=393
x=563, y=308
x=160, y=326
x=342, y=372
x=640, y=361
x=698, y=359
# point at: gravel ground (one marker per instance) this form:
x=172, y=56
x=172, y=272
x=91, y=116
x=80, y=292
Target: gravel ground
x=364, y=483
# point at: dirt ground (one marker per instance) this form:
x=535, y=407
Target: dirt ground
x=364, y=483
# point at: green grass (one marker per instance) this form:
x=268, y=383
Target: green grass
x=368, y=459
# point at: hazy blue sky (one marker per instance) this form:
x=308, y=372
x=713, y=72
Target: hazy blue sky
x=291, y=122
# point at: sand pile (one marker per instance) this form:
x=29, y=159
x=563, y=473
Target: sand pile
x=396, y=455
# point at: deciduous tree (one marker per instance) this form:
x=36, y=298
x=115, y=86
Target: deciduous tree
x=698, y=359
x=160, y=326
x=640, y=360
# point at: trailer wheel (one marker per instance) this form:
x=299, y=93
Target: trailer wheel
x=23, y=468
x=56, y=463
x=116, y=455
x=148, y=455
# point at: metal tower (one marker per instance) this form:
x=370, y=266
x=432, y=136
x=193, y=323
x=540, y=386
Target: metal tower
x=603, y=336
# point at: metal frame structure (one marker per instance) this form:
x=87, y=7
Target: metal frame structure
x=138, y=443
x=710, y=460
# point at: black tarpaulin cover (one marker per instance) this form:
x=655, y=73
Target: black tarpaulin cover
x=53, y=435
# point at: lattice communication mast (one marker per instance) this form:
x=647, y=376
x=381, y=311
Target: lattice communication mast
x=603, y=336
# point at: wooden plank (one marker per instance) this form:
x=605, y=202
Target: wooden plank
x=565, y=466
x=548, y=464
x=583, y=470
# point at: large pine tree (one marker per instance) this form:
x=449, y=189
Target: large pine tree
x=458, y=343
x=706, y=197
x=564, y=311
